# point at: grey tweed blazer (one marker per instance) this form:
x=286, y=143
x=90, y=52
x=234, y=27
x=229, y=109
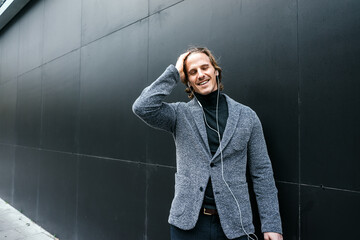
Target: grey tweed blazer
x=242, y=144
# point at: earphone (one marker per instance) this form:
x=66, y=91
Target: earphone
x=217, y=131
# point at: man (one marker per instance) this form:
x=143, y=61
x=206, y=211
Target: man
x=216, y=138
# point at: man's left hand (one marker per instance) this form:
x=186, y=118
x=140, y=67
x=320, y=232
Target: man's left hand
x=272, y=236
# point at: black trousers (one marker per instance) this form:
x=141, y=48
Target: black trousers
x=206, y=228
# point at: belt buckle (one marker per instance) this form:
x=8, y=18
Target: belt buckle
x=206, y=213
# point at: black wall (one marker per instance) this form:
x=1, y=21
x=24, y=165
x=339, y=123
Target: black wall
x=75, y=159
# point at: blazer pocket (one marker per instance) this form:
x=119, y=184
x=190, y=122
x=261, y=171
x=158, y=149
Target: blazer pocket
x=240, y=139
x=182, y=195
x=241, y=193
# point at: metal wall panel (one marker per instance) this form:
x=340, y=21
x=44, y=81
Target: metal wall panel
x=100, y=18
x=26, y=181
x=9, y=39
x=111, y=202
x=28, y=109
x=62, y=28
x=60, y=97
x=8, y=95
x=159, y=194
x=110, y=68
x=330, y=87
x=328, y=214
x=31, y=37
x=7, y=157
x=57, y=193
x=158, y=5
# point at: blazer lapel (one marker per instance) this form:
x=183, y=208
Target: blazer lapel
x=198, y=117
x=233, y=118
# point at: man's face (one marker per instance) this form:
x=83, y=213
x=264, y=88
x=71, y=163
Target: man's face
x=201, y=73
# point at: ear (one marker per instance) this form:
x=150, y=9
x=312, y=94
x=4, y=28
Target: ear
x=217, y=73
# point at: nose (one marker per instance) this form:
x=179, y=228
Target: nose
x=201, y=75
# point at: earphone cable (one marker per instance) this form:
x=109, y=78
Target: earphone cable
x=221, y=154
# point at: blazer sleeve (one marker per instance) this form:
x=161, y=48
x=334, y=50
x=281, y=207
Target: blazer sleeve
x=149, y=106
x=263, y=180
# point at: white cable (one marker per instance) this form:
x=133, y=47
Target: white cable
x=221, y=156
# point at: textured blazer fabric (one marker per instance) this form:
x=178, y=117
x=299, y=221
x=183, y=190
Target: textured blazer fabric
x=242, y=144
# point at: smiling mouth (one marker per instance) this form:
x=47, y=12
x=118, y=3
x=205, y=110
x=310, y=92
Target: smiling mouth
x=203, y=83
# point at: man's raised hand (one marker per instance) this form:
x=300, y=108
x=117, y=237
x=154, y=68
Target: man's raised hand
x=180, y=65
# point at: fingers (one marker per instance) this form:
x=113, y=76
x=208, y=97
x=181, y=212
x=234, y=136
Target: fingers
x=272, y=236
x=180, y=65
x=180, y=61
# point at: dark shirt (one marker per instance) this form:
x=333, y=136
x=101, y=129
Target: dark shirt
x=209, y=103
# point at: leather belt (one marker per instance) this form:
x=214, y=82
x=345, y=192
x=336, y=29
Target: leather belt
x=209, y=212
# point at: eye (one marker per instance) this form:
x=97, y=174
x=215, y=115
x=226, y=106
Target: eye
x=205, y=67
x=192, y=72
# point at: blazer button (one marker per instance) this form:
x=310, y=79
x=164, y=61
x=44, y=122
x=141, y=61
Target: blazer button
x=212, y=164
x=201, y=189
